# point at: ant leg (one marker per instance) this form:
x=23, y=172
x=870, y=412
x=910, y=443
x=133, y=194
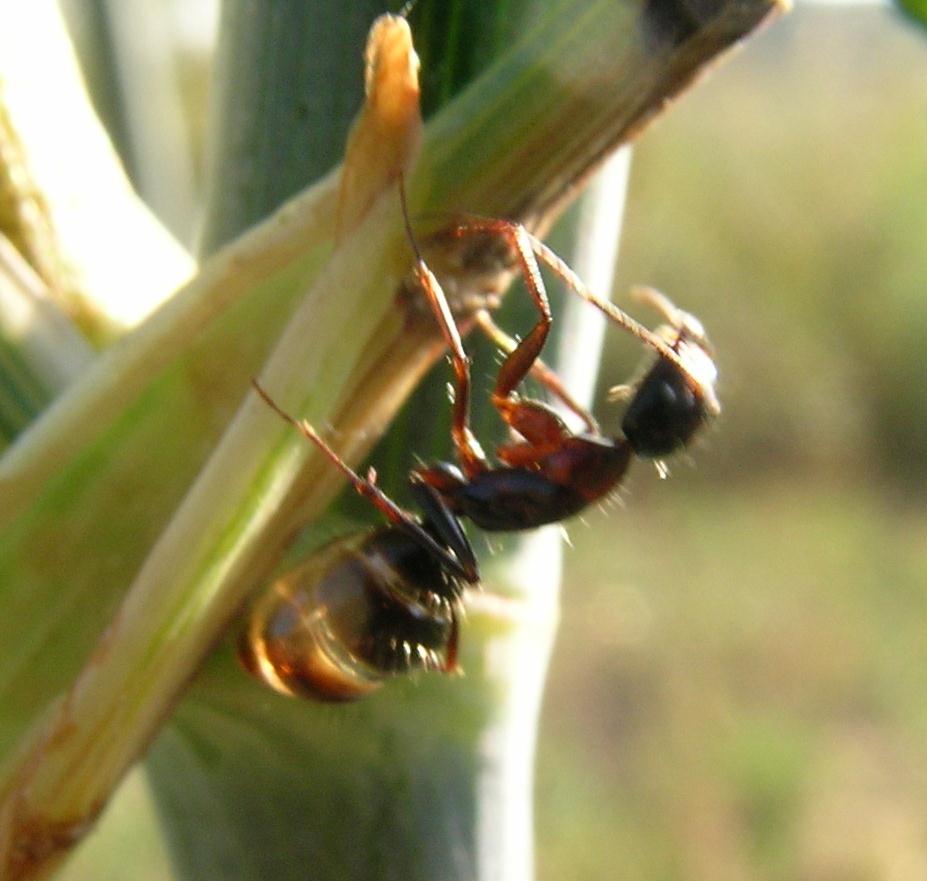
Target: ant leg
x=472, y=458
x=614, y=313
x=539, y=370
x=663, y=305
x=543, y=430
x=519, y=361
x=367, y=487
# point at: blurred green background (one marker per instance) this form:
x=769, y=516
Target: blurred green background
x=738, y=687
x=737, y=690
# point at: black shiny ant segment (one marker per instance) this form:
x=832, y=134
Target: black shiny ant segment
x=669, y=404
x=664, y=414
x=367, y=607
x=509, y=498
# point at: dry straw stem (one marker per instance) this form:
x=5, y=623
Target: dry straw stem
x=94, y=486
x=151, y=639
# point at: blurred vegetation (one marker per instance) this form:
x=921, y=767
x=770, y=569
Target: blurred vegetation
x=791, y=190
x=917, y=9
x=737, y=689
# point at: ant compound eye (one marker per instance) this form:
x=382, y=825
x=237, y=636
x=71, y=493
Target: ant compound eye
x=338, y=626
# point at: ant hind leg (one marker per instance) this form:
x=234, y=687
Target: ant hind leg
x=540, y=371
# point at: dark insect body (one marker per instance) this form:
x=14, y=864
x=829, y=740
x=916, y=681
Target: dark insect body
x=387, y=601
x=355, y=614
x=550, y=473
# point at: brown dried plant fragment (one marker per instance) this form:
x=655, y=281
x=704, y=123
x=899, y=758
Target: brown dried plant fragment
x=386, y=134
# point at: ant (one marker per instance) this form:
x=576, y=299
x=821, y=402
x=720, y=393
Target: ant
x=552, y=473
x=387, y=601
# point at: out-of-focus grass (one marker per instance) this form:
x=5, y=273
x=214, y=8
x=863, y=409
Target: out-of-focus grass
x=133, y=849
x=737, y=691
x=785, y=202
x=738, y=688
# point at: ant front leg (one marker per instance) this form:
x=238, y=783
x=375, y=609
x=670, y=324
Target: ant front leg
x=471, y=456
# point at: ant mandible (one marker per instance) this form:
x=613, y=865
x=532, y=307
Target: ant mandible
x=553, y=473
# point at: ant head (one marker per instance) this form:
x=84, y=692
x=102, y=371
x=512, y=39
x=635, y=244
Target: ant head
x=686, y=336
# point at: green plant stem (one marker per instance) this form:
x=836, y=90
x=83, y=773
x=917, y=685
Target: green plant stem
x=305, y=91
x=42, y=351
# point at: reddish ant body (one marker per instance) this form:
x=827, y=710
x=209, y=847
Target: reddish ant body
x=387, y=601
x=552, y=473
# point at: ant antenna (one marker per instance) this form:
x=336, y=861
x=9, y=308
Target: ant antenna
x=405, y=211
